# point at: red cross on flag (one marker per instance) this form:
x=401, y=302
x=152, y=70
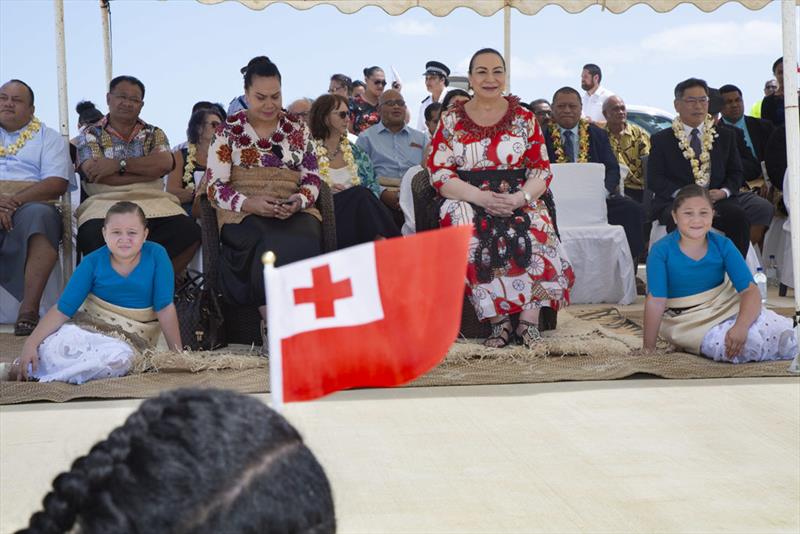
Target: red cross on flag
x=378, y=314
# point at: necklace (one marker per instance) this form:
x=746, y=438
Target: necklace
x=324, y=160
x=33, y=126
x=583, y=142
x=191, y=161
x=700, y=167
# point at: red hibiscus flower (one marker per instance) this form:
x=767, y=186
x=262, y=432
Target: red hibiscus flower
x=245, y=140
x=263, y=144
x=237, y=130
x=249, y=157
x=296, y=139
x=277, y=137
x=224, y=154
x=287, y=127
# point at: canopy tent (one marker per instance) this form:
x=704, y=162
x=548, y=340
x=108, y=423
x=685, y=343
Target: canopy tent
x=441, y=8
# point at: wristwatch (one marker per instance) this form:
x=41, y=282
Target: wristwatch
x=528, y=197
x=123, y=166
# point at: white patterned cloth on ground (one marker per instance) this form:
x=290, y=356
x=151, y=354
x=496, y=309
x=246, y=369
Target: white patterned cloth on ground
x=770, y=337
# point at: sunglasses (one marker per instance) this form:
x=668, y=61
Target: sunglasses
x=394, y=103
x=382, y=83
x=341, y=114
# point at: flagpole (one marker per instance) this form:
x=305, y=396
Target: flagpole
x=271, y=283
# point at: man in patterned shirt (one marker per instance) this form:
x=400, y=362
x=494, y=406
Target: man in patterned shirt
x=630, y=144
x=122, y=157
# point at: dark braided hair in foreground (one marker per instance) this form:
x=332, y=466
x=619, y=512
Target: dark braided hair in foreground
x=192, y=460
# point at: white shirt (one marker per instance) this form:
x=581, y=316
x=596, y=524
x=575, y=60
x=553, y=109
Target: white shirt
x=421, y=126
x=593, y=104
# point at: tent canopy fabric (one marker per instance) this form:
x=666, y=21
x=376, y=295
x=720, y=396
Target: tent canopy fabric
x=440, y=8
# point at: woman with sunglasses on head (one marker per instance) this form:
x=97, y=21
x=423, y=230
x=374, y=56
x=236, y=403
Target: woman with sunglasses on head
x=360, y=215
x=190, y=161
x=341, y=85
x=364, y=108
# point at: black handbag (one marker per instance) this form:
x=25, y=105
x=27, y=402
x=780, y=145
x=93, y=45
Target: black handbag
x=199, y=314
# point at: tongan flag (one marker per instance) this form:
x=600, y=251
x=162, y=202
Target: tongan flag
x=378, y=314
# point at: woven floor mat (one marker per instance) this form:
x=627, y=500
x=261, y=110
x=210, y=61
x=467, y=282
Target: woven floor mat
x=591, y=343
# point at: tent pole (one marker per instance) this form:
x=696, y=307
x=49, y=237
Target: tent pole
x=789, y=21
x=63, y=120
x=507, y=44
x=105, y=15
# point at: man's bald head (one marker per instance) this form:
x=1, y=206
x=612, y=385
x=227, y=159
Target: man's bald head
x=615, y=112
x=390, y=94
x=393, y=110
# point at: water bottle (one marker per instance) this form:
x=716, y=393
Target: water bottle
x=761, y=281
x=772, y=271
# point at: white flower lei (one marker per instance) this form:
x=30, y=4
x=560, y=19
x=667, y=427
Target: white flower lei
x=700, y=169
x=324, y=161
x=24, y=137
x=191, y=161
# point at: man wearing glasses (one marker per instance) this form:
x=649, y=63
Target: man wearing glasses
x=676, y=157
x=542, y=111
x=121, y=157
x=393, y=147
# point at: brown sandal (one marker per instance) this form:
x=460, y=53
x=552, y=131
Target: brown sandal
x=502, y=332
x=26, y=323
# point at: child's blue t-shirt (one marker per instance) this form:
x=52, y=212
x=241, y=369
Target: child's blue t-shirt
x=151, y=283
x=672, y=274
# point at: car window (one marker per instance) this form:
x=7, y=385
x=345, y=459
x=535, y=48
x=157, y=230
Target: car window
x=651, y=123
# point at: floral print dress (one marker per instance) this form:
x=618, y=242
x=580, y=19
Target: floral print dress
x=515, y=142
x=363, y=114
x=237, y=143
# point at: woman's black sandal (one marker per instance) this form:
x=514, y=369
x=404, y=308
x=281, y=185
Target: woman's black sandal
x=501, y=331
x=530, y=336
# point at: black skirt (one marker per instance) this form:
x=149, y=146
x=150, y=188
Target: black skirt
x=361, y=217
x=241, y=275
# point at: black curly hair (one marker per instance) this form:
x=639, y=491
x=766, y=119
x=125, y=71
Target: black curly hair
x=193, y=460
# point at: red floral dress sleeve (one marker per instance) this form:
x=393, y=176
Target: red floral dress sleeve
x=309, y=169
x=536, y=160
x=218, y=173
x=442, y=161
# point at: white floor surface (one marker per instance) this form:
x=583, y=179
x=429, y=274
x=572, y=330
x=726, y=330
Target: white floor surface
x=640, y=455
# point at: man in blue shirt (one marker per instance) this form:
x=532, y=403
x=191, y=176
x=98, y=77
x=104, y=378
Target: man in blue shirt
x=393, y=147
x=35, y=169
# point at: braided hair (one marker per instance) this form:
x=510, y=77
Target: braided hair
x=197, y=461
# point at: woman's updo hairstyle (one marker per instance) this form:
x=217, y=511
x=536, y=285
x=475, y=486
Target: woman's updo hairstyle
x=690, y=191
x=87, y=112
x=193, y=460
x=370, y=71
x=486, y=51
x=124, y=206
x=260, y=66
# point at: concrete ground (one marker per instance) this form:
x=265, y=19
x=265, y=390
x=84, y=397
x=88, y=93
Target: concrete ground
x=637, y=455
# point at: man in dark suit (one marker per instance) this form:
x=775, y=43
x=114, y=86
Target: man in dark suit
x=752, y=135
x=622, y=210
x=669, y=169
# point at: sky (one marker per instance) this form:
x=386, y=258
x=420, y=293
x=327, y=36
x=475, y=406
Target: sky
x=185, y=51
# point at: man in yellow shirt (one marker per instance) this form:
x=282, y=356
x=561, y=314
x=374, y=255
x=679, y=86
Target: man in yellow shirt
x=630, y=144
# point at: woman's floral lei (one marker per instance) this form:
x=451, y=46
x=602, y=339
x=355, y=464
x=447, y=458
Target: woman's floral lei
x=700, y=169
x=583, y=142
x=191, y=161
x=24, y=137
x=325, y=163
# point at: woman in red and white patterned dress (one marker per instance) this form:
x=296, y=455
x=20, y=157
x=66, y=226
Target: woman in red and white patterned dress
x=489, y=163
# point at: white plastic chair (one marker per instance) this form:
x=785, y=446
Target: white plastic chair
x=598, y=251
